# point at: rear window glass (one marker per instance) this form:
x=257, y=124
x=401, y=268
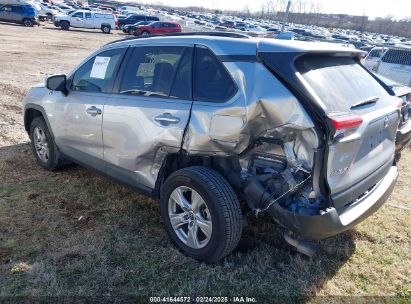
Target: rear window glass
x=396, y=56
x=341, y=83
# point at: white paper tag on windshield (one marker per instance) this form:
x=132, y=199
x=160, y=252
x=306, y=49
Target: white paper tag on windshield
x=100, y=67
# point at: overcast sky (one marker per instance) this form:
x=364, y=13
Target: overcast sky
x=372, y=8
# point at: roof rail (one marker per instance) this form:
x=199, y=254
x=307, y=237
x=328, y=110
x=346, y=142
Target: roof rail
x=212, y=34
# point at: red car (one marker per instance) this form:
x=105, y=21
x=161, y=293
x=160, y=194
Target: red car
x=157, y=28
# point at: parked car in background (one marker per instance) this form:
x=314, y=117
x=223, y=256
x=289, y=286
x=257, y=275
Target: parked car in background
x=48, y=11
x=202, y=123
x=133, y=19
x=157, y=28
x=403, y=92
x=395, y=64
x=22, y=14
x=86, y=19
x=373, y=57
x=130, y=28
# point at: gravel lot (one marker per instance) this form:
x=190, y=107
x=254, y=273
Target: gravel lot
x=75, y=233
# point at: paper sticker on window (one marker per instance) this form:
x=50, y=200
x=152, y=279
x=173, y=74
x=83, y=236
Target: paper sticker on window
x=100, y=67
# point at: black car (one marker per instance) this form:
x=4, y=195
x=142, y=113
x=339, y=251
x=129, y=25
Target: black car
x=133, y=19
x=130, y=28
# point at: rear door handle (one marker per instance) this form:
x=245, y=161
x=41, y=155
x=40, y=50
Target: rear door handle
x=93, y=111
x=166, y=119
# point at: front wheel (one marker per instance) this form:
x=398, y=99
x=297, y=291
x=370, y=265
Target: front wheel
x=145, y=33
x=106, y=29
x=43, y=146
x=201, y=213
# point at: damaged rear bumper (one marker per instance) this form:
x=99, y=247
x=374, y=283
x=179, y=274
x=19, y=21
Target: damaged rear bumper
x=335, y=221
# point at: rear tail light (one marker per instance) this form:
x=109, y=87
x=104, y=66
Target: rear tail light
x=345, y=125
x=346, y=121
x=409, y=97
x=116, y=23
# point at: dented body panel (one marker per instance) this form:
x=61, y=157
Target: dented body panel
x=257, y=110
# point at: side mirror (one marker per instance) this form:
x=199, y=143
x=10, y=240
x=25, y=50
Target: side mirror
x=57, y=83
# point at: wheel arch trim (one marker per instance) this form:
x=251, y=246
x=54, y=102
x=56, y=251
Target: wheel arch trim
x=33, y=106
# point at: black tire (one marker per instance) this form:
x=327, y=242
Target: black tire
x=28, y=23
x=49, y=16
x=106, y=29
x=145, y=33
x=65, y=26
x=223, y=206
x=55, y=161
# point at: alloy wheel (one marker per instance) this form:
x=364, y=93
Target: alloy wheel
x=190, y=217
x=41, y=145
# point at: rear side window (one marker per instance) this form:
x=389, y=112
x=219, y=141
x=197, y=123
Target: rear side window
x=397, y=56
x=98, y=73
x=340, y=82
x=212, y=82
x=150, y=71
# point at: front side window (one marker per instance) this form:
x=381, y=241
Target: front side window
x=88, y=15
x=98, y=73
x=151, y=71
x=78, y=15
x=212, y=82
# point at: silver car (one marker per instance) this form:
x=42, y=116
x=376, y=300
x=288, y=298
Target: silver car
x=215, y=124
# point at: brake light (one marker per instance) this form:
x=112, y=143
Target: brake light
x=409, y=97
x=116, y=23
x=346, y=121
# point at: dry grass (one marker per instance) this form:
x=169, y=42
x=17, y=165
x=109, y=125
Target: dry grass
x=75, y=233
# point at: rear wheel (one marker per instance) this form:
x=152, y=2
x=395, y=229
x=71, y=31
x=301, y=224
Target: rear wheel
x=201, y=213
x=65, y=26
x=28, y=23
x=106, y=29
x=43, y=145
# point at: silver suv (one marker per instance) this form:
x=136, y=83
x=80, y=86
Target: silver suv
x=215, y=124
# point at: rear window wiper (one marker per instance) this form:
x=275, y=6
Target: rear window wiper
x=365, y=102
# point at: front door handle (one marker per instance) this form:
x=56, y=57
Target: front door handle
x=93, y=111
x=166, y=119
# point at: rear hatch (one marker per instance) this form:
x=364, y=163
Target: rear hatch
x=361, y=117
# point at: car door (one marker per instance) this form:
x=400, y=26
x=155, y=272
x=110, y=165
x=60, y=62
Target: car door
x=88, y=20
x=77, y=19
x=5, y=13
x=77, y=117
x=146, y=116
x=16, y=13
